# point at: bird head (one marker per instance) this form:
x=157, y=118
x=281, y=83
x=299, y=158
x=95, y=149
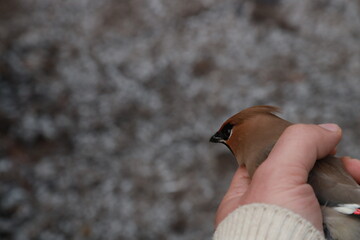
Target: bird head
x=251, y=134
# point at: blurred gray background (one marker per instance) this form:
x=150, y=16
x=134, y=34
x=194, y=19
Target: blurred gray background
x=106, y=107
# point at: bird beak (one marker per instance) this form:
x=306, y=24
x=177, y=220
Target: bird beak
x=217, y=138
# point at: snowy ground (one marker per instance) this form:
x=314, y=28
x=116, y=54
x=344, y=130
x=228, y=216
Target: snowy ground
x=106, y=107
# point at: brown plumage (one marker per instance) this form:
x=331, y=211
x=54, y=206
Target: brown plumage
x=252, y=133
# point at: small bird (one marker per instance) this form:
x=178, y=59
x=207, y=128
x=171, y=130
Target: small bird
x=251, y=134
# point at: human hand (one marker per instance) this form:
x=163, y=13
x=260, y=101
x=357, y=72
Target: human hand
x=282, y=179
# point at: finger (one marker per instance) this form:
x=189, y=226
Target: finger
x=352, y=165
x=300, y=145
x=231, y=200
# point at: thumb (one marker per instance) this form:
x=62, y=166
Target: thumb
x=238, y=186
x=305, y=144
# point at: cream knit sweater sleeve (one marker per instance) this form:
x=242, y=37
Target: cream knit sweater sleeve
x=263, y=221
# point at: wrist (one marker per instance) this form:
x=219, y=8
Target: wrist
x=265, y=221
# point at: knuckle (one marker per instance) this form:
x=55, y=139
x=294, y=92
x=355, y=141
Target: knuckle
x=309, y=134
x=298, y=129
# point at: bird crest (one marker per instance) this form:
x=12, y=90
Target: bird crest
x=250, y=112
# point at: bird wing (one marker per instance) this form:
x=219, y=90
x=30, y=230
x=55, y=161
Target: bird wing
x=332, y=183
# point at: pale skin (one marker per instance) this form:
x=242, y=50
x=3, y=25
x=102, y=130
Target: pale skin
x=282, y=179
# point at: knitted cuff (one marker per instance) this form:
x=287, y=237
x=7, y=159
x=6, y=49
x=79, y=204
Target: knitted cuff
x=264, y=221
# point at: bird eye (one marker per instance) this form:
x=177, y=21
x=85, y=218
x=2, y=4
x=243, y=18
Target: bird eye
x=226, y=131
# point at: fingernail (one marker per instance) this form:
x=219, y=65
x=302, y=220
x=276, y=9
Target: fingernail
x=330, y=126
